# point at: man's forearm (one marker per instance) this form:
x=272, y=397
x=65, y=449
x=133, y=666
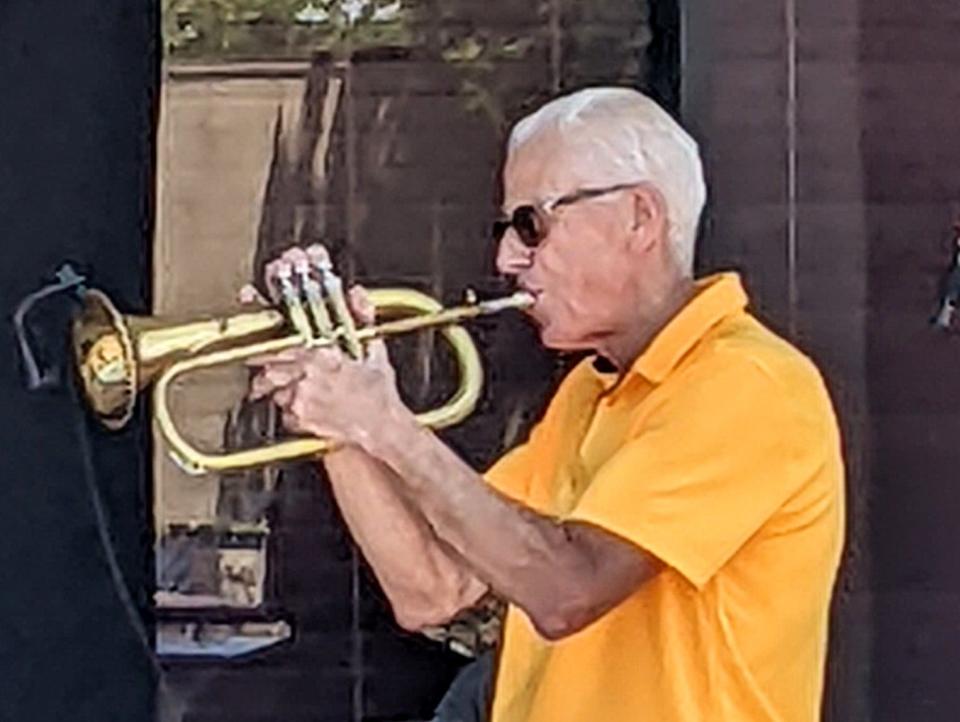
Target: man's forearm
x=424, y=582
x=526, y=557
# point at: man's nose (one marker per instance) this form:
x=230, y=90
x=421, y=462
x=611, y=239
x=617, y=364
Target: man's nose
x=512, y=256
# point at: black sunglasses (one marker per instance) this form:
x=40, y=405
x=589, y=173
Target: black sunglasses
x=530, y=221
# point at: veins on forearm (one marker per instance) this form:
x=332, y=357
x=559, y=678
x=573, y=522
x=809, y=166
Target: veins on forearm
x=526, y=556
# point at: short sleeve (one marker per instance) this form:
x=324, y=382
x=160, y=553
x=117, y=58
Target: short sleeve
x=512, y=473
x=709, y=466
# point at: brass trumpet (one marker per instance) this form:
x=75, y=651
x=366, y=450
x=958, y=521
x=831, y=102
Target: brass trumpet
x=117, y=356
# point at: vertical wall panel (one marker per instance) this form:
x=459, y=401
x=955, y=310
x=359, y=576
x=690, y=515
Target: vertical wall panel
x=78, y=82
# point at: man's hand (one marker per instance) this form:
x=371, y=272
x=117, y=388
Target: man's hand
x=325, y=392
x=322, y=391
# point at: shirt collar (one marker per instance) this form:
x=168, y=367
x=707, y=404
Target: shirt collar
x=716, y=297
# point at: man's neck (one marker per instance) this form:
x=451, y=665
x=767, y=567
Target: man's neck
x=649, y=318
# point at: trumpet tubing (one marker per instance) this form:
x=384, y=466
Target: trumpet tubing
x=117, y=356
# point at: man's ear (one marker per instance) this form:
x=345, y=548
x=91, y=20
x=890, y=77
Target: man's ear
x=649, y=209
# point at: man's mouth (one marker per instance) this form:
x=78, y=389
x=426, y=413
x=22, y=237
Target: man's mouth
x=535, y=292
x=535, y=310
x=534, y=307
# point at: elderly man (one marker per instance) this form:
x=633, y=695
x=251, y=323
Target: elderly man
x=668, y=536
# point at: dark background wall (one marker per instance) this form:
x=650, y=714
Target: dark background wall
x=831, y=145
x=828, y=131
x=910, y=151
x=78, y=82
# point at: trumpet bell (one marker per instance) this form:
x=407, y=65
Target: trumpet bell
x=118, y=355
x=104, y=351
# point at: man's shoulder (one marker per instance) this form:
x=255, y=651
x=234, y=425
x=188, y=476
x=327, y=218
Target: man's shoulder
x=742, y=356
x=745, y=341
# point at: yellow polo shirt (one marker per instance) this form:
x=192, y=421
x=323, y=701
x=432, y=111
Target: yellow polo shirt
x=718, y=453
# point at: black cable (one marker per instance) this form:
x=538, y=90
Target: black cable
x=168, y=708
x=103, y=528
x=43, y=376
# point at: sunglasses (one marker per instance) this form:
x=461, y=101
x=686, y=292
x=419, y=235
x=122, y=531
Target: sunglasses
x=530, y=221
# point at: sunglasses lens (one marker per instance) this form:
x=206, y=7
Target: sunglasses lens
x=499, y=229
x=526, y=221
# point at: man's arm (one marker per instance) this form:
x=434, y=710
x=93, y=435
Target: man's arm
x=423, y=578
x=564, y=575
x=425, y=583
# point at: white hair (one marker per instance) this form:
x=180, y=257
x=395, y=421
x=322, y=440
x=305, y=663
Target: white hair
x=630, y=138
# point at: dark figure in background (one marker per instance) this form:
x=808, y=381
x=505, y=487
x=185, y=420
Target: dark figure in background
x=468, y=698
x=950, y=295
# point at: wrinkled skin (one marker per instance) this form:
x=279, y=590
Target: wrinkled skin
x=604, y=265
x=603, y=278
x=437, y=537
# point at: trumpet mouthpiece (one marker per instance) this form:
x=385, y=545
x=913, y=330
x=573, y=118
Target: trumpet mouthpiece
x=518, y=300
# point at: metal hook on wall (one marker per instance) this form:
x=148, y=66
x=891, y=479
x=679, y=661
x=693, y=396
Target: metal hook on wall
x=42, y=376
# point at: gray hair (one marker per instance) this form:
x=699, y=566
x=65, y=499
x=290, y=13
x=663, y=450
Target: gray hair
x=631, y=139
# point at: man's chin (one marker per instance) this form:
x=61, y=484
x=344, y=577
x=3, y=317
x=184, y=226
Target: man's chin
x=551, y=339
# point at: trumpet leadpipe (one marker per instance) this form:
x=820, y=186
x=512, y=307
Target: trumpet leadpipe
x=447, y=316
